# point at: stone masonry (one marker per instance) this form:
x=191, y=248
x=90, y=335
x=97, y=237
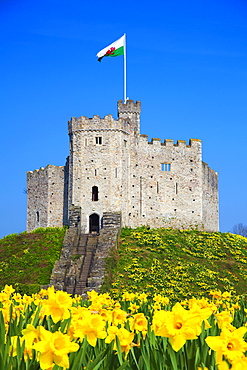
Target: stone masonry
x=81, y=266
x=113, y=168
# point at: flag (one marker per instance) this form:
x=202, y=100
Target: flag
x=113, y=50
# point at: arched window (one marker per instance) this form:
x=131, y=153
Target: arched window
x=95, y=193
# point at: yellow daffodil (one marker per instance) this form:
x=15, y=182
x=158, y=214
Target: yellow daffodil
x=178, y=325
x=31, y=335
x=57, y=305
x=139, y=323
x=105, y=314
x=118, y=316
x=142, y=297
x=125, y=338
x=223, y=365
x=8, y=289
x=92, y=326
x=228, y=344
x=92, y=295
x=54, y=349
x=224, y=319
x=239, y=364
x=133, y=307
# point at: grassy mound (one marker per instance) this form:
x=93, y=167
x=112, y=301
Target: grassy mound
x=177, y=263
x=27, y=259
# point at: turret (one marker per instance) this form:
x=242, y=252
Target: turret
x=130, y=113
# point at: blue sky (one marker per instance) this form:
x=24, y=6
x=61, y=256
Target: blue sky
x=186, y=63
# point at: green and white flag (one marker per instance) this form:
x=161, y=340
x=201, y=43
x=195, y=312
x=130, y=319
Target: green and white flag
x=113, y=50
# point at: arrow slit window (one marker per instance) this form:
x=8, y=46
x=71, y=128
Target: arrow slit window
x=95, y=194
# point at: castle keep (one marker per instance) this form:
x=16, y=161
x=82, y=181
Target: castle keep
x=113, y=168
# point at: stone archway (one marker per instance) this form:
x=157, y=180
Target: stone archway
x=93, y=223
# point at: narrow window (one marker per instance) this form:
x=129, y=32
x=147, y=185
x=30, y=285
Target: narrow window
x=95, y=192
x=157, y=187
x=165, y=167
x=37, y=216
x=176, y=188
x=116, y=172
x=95, y=172
x=86, y=142
x=98, y=140
x=125, y=143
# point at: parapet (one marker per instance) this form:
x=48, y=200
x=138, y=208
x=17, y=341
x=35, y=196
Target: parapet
x=94, y=123
x=128, y=119
x=170, y=142
x=129, y=107
x=43, y=170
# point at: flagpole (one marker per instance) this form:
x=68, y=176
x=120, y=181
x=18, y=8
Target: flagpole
x=125, y=69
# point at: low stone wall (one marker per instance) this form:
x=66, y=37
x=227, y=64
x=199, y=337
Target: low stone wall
x=106, y=241
x=58, y=272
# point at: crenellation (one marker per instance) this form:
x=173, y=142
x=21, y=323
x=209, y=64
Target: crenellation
x=195, y=143
x=181, y=143
x=168, y=142
x=129, y=107
x=154, y=142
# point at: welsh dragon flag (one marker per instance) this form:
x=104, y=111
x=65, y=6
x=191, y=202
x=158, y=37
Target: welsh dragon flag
x=113, y=50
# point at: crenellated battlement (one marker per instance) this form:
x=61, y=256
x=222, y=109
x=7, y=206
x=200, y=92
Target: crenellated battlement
x=92, y=123
x=129, y=107
x=169, y=142
x=128, y=119
x=42, y=170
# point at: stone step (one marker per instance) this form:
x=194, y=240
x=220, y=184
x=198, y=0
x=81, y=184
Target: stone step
x=70, y=289
x=83, y=240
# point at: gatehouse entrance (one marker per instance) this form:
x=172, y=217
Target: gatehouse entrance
x=94, y=223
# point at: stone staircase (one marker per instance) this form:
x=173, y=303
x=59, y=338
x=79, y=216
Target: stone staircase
x=82, y=262
x=82, y=258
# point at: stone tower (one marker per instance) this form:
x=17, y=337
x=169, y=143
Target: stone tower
x=113, y=168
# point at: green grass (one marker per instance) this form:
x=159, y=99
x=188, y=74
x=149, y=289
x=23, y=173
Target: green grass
x=177, y=263
x=28, y=258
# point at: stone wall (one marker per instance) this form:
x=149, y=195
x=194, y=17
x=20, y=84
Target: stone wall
x=165, y=183
x=210, y=199
x=104, y=166
x=45, y=197
x=58, y=273
x=107, y=240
